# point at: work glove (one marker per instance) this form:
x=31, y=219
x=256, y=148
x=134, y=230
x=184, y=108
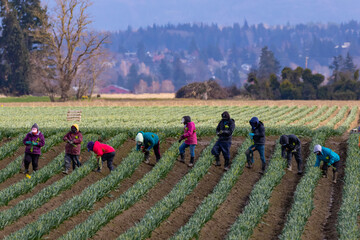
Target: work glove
x=219, y=132
x=146, y=151
x=251, y=135
x=28, y=142
x=35, y=143
x=181, y=138
x=71, y=142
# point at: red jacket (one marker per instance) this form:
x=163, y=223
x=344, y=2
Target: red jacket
x=101, y=149
x=190, y=133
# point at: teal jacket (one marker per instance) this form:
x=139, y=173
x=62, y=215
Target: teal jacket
x=150, y=139
x=328, y=156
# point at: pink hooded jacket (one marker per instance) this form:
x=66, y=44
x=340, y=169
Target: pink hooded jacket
x=190, y=133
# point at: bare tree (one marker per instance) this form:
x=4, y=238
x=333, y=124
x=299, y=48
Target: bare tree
x=89, y=73
x=72, y=42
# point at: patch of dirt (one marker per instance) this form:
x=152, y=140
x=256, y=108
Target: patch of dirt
x=238, y=198
x=327, y=198
x=182, y=214
x=44, y=159
x=323, y=123
x=76, y=189
x=123, y=186
x=3, y=163
x=134, y=214
x=281, y=200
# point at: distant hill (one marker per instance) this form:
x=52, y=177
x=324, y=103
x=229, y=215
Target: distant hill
x=118, y=14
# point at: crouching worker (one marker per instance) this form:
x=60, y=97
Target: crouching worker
x=291, y=146
x=224, y=130
x=146, y=141
x=258, y=136
x=33, y=141
x=73, y=141
x=190, y=140
x=330, y=158
x=103, y=153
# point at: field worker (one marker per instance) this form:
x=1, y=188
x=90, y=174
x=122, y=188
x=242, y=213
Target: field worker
x=224, y=130
x=258, y=136
x=33, y=141
x=103, y=151
x=330, y=158
x=291, y=146
x=73, y=141
x=190, y=140
x=146, y=141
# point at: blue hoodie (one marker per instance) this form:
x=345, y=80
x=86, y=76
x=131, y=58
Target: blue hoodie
x=327, y=155
x=150, y=140
x=257, y=127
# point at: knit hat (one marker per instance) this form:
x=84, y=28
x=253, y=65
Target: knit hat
x=185, y=119
x=90, y=146
x=317, y=148
x=35, y=126
x=76, y=126
x=284, y=140
x=225, y=115
x=139, y=138
x=254, y=122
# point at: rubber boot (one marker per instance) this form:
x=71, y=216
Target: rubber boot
x=263, y=166
x=191, y=162
x=182, y=158
x=227, y=164
x=217, y=161
x=66, y=171
x=335, y=177
x=26, y=171
x=248, y=158
x=299, y=169
x=146, y=159
x=289, y=168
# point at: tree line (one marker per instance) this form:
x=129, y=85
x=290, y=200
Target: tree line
x=54, y=55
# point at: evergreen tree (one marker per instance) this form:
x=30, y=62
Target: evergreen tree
x=179, y=74
x=132, y=77
x=193, y=48
x=268, y=64
x=349, y=65
x=140, y=52
x=14, y=56
x=165, y=70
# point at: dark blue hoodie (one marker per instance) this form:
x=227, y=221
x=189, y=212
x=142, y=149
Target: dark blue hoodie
x=257, y=127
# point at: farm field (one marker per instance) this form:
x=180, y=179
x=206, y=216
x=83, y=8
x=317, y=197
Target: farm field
x=170, y=200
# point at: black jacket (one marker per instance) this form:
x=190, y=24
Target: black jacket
x=290, y=142
x=226, y=126
x=259, y=134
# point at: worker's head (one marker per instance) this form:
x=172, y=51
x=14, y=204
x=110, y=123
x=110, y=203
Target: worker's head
x=139, y=139
x=185, y=119
x=90, y=146
x=254, y=122
x=34, y=128
x=225, y=115
x=317, y=149
x=284, y=140
x=74, y=128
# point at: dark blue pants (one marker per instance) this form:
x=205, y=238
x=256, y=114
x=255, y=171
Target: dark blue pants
x=221, y=147
x=250, y=153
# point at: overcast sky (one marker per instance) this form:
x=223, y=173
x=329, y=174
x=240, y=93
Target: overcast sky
x=118, y=14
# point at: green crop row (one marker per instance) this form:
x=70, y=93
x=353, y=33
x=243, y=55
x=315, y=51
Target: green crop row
x=28, y=205
x=347, y=226
x=80, y=202
x=10, y=147
x=350, y=119
x=259, y=198
x=209, y=205
x=40, y=176
x=323, y=117
x=313, y=116
x=163, y=208
x=298, y=116
x=303, y=197
x=98, y=219
x=15, y=166
x=338, y=117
